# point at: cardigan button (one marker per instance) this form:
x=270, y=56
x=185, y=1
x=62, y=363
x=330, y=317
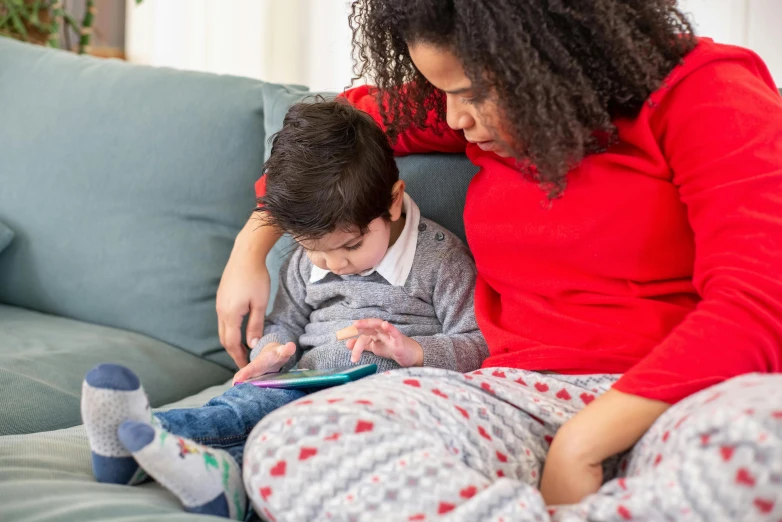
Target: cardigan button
x=439, y=236
x=422, y=227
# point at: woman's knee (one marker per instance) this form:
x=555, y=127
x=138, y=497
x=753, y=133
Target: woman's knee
x=744, y=412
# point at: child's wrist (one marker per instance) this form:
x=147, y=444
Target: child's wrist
x=415, y=348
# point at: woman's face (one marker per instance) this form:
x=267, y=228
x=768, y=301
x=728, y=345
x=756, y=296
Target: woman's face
x=445, y=72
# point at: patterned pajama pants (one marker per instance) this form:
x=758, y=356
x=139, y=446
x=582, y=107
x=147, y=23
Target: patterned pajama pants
x=427, y=444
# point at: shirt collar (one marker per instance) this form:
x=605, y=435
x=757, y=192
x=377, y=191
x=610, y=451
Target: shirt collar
x=396, y=265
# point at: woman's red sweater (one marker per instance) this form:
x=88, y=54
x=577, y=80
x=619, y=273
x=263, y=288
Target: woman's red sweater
x=662, y=260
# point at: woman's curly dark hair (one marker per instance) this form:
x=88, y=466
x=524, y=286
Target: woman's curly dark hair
x=559, y=70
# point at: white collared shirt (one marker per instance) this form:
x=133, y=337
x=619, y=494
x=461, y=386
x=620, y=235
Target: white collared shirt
x=398, y=261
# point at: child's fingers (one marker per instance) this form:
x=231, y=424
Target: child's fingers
x=368, y=331
x=286, y=351
x=350, y=343
x=347, y=333
x=255, y=368
x=386, y=339
x=372, y=324
x=390, y=329
x=361, y=345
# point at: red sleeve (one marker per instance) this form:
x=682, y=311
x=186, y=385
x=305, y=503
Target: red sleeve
x=260, y=187
x=411, y=141
x=720, y=129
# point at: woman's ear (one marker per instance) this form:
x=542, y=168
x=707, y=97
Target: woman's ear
x=397, y=200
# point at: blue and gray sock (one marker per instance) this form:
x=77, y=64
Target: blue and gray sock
x=112, y=394
x=206, y=480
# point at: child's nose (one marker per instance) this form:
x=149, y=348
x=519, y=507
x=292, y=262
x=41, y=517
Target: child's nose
x=335, y=265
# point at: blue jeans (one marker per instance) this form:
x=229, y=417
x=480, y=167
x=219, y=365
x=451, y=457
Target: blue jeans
x=226, y=421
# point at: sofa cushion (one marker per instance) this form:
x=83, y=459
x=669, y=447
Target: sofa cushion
x=277, y=99
x=125, y=186
x=6, y=235
x=43, y=360
x=55, y=466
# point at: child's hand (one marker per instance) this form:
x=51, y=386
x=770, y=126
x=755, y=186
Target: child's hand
x=270, y=359
x=384, y=340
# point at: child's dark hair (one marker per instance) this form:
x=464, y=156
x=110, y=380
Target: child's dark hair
x=331, y=168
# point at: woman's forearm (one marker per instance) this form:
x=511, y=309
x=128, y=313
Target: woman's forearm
x=609, y=425
x=256, y=238
x=244, y=288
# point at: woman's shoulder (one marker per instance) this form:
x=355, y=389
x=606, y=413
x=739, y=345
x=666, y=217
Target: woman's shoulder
x=709, y=71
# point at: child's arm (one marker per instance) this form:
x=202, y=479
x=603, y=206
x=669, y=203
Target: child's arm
x=461, y=346
x=289, y=315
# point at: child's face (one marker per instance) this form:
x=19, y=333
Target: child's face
x=345, y=253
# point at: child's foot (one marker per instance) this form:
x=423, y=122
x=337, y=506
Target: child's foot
x=207, y=480
x=110, y=395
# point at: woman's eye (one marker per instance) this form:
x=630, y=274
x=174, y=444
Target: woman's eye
x=468, y=101
x=354, y=247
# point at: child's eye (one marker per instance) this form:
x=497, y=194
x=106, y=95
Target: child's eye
x=468, y=101
x=354, y=247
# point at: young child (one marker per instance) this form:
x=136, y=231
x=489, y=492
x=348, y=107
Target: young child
x=363, y=251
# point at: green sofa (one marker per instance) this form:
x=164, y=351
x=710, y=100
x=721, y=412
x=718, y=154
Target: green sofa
x=121, y=191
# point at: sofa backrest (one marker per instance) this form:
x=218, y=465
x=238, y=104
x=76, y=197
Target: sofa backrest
x=126, y=185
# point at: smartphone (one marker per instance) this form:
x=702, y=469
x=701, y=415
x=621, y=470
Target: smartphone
x=307, y=379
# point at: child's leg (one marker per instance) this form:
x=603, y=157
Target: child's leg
x=206, y=479
x=225, y=421
x=112, y=394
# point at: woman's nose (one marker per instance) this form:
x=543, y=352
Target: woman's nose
x=457, y=116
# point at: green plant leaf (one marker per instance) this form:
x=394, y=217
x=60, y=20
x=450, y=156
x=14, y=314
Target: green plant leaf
x=5, y=19
x=18, y=25
x=70, y=20
x=33, y=18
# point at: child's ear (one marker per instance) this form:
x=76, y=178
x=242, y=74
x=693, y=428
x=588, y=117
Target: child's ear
x=397, y=201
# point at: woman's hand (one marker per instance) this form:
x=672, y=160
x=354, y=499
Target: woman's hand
x=244, y=289
x=270, y=359
x=609, y=425
x=384, y=340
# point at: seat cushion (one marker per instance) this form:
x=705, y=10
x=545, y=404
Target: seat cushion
x=6, y=235
x=125, y=186
x=55, y=467
x=43, y=360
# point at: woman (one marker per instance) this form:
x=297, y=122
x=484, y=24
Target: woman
x=625, y=225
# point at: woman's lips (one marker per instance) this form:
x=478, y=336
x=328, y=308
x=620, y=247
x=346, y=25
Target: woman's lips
x=487, y=146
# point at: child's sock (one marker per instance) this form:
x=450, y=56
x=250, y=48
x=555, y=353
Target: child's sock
x=110, y=395
x=207, y=480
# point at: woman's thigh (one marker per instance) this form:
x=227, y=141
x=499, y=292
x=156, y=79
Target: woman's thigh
x=413, y=444
x=716, y=455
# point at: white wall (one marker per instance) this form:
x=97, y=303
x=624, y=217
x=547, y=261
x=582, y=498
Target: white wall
x=749, y=23
x=284, y=41
x=308, y=41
